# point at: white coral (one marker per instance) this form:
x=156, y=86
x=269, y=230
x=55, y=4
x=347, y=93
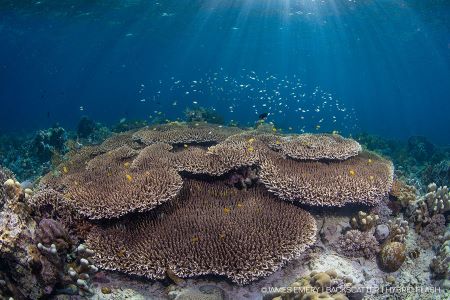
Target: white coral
x=438, y=199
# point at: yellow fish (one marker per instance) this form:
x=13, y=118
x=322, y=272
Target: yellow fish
x=128, y=177
x=194, y=239
x=240, y=205
x=65, y=170
x=352, y=173
x=274, y=129
x=251, y=140
x=250, y=149
x=126, y=165
x=369, y=161
x=371, y=177
x=185, y=146
x=221, y=236
x=226, y=210
x=277, y=142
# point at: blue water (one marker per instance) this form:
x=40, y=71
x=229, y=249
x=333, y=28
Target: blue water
x=380, y=66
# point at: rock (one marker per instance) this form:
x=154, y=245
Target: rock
x=381, y=232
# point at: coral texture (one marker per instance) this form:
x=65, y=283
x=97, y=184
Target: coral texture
x=392, y=256
x=317, y=147
x=109, y=187
x=366, y=178
x=192, y=133
x=210, y=229
x=403, y=193
x=355, y=243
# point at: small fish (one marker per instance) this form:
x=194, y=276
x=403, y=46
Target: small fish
x=221, y=236
x=185, y=145
x=194, y=239
x=239, y=205
x=226, y=210
x=65, y=170
x=371, y=177
x=352, y=172
x=250, y=149
x=250, y=141
x=317, y=127
x=128, y=177
x=126, y=165
x=369, y=161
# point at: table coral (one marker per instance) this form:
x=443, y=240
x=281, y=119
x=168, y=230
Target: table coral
x=209, y=229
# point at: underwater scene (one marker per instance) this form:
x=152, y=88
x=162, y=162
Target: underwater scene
x=225, y=150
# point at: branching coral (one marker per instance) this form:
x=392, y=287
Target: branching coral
x=209, y=229
x=440, y=265
x=398, y=229
x=435, y=201
x=364, y=221
x=366, y=178
x=355, y=243
x=317, y=147
x=403, y=193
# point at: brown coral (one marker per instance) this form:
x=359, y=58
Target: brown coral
x=403, y=193
x=109, y=187
x=366, y=178
x=209, y=229
x=317, y=147
x=191, y=133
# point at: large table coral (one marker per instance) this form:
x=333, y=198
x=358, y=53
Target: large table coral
x=316, y=170
x=164, y=198
x=209, y=229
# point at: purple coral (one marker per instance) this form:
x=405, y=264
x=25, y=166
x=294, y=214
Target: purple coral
x=433, y=232
x=355, y=243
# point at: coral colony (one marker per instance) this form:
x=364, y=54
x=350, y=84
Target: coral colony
x=177, y=201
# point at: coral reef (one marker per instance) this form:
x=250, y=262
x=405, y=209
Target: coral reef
x=211, y=229
x=365, y=178
x=398, y=229
x=202, y=114
x=435, y=201
x=86, y=127
x=364, y=221
x=317, y=146
x=50, y=141
x=440, y=265
x=433, y=232
x=355, y=243
x=175, y=133
x=392, y=256
x=316, y=285
x=403, y=193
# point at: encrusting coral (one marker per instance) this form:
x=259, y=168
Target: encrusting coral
x=210, y=229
